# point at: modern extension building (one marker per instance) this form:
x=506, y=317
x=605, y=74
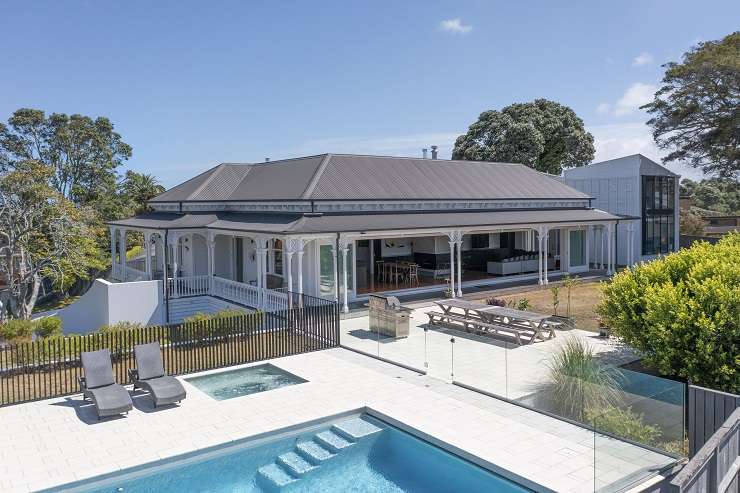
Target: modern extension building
x=342, y=226
x=638, y=187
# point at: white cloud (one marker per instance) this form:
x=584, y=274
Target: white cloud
x=636, y=95
x=642, y=59
x=603, y=108
x=455, y=26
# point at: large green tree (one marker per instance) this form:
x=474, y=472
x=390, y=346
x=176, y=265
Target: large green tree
x=42, y=235
x=543, y=135
x=696, y=111
x=714, y=194
x=83, y=152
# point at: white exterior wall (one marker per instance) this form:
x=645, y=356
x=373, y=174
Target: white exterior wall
x=616, y=187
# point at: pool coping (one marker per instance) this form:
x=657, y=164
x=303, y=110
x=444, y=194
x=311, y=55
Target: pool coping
x=285, y=432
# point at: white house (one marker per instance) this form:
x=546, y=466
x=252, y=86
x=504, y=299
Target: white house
x=339, y=226
x=637, y=187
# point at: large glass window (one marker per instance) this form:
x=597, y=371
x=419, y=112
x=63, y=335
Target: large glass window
x=479, y=241
x=658, y=220
x=577, y=248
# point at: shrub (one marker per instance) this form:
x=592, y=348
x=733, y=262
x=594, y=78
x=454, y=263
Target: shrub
x=16, y=330
x=683, y=312
x=496, y=302
x=119, y=327
x=578, y=382
x=48, y=327
x=522, y=304
x=555, y=290
x=624, y=423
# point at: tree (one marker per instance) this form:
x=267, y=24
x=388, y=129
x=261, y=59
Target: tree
x=83, y=152
x=682, y=312
x=138, y=188
x=42, y=235
x=692, y=224
x=543, y=135
x=713, y=194
x=696, y=111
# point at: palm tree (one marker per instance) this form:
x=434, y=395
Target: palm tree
x=139, y=188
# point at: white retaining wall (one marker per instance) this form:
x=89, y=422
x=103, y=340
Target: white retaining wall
x=109, y=303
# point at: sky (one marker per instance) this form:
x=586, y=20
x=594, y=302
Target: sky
x=192, y=84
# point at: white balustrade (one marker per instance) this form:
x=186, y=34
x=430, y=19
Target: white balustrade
x=238, y=292
x=189, y=286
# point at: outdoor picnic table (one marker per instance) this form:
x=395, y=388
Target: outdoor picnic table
x=537, y=323
x=449, y=305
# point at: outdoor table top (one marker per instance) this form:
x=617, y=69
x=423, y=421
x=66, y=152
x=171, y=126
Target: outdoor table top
x=492, y=310
x=463, y=304
x=512, y=313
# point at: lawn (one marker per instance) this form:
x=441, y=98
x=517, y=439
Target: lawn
x=584, y=299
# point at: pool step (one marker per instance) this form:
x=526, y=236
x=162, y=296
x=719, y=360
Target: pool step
x=295, y=464
x=355, y=429
x=313, y=452
x=274, y=477
x=309, y=455
x=332, y=441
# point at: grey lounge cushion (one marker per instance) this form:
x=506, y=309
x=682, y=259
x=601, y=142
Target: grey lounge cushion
x=165, y=390
x=149, y=361
x=111, y=400
x=98, y=368
x=100, y=384
x=151, y=376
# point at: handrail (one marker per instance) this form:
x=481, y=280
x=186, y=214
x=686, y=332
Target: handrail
x=716, y=467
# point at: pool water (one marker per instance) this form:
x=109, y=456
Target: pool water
x=357, y=454
x=244, y=381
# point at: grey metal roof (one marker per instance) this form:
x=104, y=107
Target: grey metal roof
x=354, y=177
x=307, y=224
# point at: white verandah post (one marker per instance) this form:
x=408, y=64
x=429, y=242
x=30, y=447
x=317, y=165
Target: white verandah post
x=211, y=245
x=148, y=254
x=122, y=253
x=452, y=265
x=609, y=249
x=459, y=266
x=113, y=252
x=344, y=247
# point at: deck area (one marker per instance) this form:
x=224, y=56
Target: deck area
x=58, y=441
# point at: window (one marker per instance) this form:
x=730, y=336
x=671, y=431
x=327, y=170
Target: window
x=479, y=241
x=577, y=248
x=658, y=219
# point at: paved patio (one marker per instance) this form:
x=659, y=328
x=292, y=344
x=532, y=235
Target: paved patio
x=58, y=441
x=497, y=365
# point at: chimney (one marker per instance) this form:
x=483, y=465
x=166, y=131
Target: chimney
x=434, y=152
x=424, y=153
x=267, y=159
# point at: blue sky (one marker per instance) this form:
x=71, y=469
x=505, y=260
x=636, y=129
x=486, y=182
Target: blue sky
x=192, y=84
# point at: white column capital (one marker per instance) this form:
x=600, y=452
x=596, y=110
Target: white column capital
x=455, y=236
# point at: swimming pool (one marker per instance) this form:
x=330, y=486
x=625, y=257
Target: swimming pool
x=355, y=454
x=244, y=381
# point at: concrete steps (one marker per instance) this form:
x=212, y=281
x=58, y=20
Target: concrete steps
x=290, y=467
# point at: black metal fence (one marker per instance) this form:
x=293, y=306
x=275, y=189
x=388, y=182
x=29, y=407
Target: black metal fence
x=51, y=367
x=708, y=410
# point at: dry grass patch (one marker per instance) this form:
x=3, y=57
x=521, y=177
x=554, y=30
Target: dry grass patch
x=584, y=300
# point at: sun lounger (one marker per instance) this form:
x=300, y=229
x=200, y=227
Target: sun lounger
x=150, y=376
x=100, y=386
